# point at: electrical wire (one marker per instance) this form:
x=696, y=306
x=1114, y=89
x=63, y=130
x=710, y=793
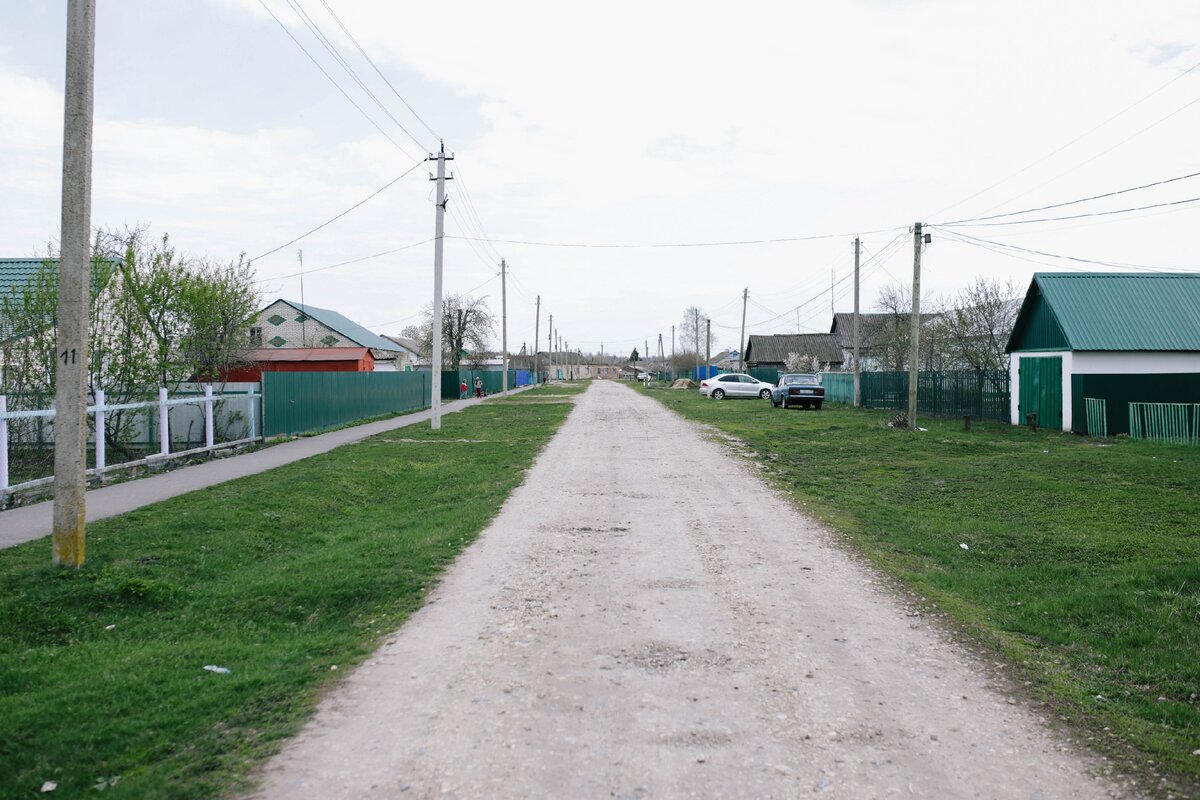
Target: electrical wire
x=1074, y=202
x=331, y=79
x=343, y=263
x=779, y=240
x=331, y=220
x=1000, y=247
x=350, y=36
x=1167, y=204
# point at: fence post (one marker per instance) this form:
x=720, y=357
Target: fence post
x=209, y=434
x=100, y=443
x=164, y=434
x=3, y=444
x=250, y=412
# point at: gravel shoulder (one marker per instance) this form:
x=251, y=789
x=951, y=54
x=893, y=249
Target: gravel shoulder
x=646, y=618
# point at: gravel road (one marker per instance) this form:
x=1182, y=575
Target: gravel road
x=647, y=619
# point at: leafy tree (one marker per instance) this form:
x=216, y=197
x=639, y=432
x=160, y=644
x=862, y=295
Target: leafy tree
x=634, y=355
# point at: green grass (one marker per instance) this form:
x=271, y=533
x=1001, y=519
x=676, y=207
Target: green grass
x=278, y=577
x=1084, y=560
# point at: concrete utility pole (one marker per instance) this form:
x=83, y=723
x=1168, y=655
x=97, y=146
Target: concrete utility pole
x=504, y=326
x=915, y=335
x=435, y=389
x=742, y=335
x=857, y=337
x=697, y=347
x=832, y=287
x=550, y=347
x=70, y=396
x=537, y=322
x=662, y=357
x=672, y=341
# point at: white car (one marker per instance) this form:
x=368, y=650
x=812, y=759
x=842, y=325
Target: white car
x=734, y=384
x=645, y=377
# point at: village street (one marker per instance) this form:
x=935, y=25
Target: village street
x=645, y=618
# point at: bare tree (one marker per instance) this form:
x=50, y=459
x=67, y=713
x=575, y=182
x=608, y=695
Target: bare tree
x=890, y=337
x=975, y=324
x=467, y=327
x=692, y=324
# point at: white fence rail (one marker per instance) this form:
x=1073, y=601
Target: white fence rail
x=206, y=401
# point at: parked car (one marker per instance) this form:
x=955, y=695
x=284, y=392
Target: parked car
x=645, y=377
x=734, y=384
x=802, y=389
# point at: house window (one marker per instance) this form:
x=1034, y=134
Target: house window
x=275, y=319
x=256, y=337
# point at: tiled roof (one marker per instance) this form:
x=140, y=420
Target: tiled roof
x=17, y=273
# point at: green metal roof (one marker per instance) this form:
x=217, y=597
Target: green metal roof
x=345, y=326
x=1109, y=311
x=18, y=273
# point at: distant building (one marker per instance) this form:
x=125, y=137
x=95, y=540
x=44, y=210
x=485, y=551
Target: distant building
x=301, y=359
x=287, y=325
x=771, y=352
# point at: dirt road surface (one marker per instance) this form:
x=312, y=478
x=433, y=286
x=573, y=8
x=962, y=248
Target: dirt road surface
x=646, y=619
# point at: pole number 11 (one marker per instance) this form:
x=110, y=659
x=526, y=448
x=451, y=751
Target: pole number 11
x=68, y=356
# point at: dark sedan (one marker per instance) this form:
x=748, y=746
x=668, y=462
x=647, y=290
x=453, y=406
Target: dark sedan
x=798, y=389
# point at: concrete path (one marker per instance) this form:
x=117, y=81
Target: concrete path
x=26, y=523
x=646, y=619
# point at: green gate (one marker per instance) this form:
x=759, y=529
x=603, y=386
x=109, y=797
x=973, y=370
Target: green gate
x=1041, y=390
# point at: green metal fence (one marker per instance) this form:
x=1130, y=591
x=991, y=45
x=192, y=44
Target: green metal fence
x=302, y=402
x=1097, y=416
x=492, y=381
x=983, y=395
x=1169, y=423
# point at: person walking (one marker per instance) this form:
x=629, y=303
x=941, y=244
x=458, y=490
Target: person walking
x=478, y=386
x=462, y=390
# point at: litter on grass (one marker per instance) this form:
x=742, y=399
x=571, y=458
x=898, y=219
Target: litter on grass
x=963, y=545
x=218, y=670
x=49, y=786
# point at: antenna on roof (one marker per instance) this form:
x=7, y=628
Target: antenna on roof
x=303, y=307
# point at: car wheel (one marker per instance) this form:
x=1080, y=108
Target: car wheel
x=818, y=406
x=783, y=401
x=718, y=394
x=774, y=403
x=765, y=394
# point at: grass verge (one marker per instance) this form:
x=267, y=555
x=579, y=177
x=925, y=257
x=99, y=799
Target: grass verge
x=1083, y=567
x=278, y=577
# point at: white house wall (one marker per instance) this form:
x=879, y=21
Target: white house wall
x=1143, y=363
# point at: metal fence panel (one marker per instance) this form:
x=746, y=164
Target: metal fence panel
x=300, y=402
x=1169, y=423
x=983, y=394
x=1097, y=417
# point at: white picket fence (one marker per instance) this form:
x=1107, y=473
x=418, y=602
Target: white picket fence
x=164, y=404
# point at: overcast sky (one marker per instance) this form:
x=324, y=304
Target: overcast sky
x=620, y=123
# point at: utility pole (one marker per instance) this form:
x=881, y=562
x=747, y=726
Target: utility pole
x=915, y=335
x=504, y=326
x=832, y=286
x=435, y=388
x=70, y=395
x=672, y=341
x=550, y=347
x=697, y=347
x=742, y=335
x=662, y=357
x=537, y=321
x=707, y=345
x=857, y=333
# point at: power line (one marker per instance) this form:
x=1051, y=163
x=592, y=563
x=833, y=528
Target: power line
x=349, y=35
x=388, y=185
x=1075, y=202
x=336, y=85
x=626, y=246
x=999, y=247
x=1167, y=204
x=1078, y=138
x=343, y=263
x=333, y=50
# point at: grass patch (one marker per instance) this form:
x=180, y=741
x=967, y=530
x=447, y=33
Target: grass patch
x=1083, y=565
x=278, y=577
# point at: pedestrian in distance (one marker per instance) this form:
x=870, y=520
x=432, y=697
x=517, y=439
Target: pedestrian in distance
x=479, y=387
x=462, y=390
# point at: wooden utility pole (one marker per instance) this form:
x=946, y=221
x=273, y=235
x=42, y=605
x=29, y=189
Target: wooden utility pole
x=537, y=321
x=435, y=389
x=915, y=335
x=742, y=335
x=707, y=346
x=70, y=393
x=504, y=327
x=857, y=332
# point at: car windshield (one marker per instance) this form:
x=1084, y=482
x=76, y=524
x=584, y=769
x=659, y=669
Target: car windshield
x=809, y=380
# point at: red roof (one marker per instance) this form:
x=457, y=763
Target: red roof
x=308, y=354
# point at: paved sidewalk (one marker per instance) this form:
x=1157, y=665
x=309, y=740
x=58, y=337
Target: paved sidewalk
x=26, y=523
